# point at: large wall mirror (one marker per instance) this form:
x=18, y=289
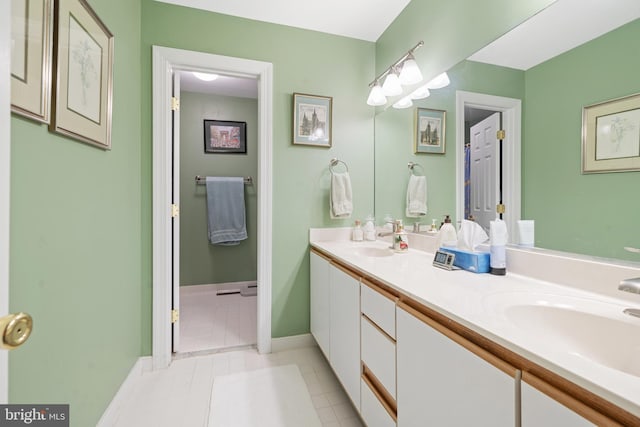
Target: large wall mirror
x=588, y=213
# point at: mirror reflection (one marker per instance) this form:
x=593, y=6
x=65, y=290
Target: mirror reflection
x=593, y=214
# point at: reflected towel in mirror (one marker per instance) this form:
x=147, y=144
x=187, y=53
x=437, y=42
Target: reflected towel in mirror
x=416, y=196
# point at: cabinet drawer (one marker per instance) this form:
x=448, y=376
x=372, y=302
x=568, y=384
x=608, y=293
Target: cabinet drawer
x=379, y=306
x=378, y=353
x=372, y=410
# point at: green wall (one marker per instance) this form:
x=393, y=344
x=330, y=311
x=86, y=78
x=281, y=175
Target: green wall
x=394, y=142
x=303, y=61
x=200, y=261
x=75, y=248
x=594, y=214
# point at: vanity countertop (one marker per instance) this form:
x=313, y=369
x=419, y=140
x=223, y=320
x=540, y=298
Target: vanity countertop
x=485, y=303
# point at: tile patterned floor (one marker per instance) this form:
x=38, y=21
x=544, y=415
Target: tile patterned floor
x=209, y=321
x=180, y=395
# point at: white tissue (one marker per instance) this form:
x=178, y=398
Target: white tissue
x=470, y=235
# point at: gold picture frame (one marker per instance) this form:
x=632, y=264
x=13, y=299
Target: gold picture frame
x=31, y=37
x=429, y=131
x=611, y=136
x=312, y=120
x=83, y=74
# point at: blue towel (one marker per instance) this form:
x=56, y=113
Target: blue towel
x=225, y=210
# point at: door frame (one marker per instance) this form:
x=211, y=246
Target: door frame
x=511, y=109
x=5, y=176
x=165, y=60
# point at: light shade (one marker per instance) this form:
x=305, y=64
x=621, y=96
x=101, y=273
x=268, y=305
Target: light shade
x=207, y=77
x=439, y=81
x=403, y=103
x=410, y=73
x=391, y=86
x=420, y=93
x=376, y=96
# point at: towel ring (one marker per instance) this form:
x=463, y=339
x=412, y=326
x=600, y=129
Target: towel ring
x=334, y=162
x=412, y=166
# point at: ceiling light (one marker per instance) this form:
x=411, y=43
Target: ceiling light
x=376, y=96
x=439, y=81
x=410, y=73
x=421, y=93
x=403, y=103
x=207, y=77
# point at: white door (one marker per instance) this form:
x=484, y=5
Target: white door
x=175, y=222
x=484, y=170
x=5, y=116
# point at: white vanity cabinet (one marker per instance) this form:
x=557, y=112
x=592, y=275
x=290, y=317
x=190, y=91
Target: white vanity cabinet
x=319, y=296
x=443, y=383
x=344, y=329
x=539, y=409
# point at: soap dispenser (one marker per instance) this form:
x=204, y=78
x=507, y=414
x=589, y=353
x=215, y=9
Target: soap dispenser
x=357, y=234
x=400, y=238
x=369, y=228
x=447, y=235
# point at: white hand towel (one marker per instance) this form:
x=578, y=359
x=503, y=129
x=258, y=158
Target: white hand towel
x=416, y=196
x=340, y=197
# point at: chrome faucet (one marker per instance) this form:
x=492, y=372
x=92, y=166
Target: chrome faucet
x=394, y=226
x=630, y=285
x=633, y=286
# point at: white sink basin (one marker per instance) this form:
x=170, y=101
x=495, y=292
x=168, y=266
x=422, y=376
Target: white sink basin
x=376, y=252
x=597, y=331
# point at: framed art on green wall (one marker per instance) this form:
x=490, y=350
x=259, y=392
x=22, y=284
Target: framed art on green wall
x=312, y=120
x=611, y=136
x=429, y=129
x=83, y=74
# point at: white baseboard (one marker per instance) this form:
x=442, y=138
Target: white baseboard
x=292, y=342
x=110, y=415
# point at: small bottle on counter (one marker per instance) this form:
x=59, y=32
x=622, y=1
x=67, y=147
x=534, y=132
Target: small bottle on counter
x=369, y=228
x=357, y=234
x=400, y=238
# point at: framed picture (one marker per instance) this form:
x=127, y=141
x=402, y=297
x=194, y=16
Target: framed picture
x=83, y=74
x=312, y=120
x=611, y=136
x=31, y=37
x=429, y=135
x=223, y=136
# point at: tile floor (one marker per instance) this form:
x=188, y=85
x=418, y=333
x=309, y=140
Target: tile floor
x=209, y=321
x=180, y=395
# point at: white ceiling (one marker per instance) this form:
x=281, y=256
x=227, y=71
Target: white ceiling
x=560, y=27
x=358, y=19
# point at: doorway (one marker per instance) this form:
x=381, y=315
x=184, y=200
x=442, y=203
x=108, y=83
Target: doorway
x=510, y=109
x=217, y=283
x=5, y=144
x=165, y=62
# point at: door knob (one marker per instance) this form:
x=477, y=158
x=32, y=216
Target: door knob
x=15, y=329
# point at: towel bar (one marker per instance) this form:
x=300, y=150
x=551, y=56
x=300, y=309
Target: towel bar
x=203, y=179
x=334, y=162
x=412, y=165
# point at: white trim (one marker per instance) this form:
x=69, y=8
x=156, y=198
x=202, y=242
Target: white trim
x=511, y=109
x=124, y=393
x=5, y=176
x=292, y=342
x=164, y=61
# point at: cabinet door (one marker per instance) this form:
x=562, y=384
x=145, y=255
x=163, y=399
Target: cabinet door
x=538, y=409
x=319, y=301
x=441, y=383
x=345, y=330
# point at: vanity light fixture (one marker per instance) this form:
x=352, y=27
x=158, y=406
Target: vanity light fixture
x=439, y=81
x=207, y=77
x=421, y=93
x=404, y=71
x=403, y=103
x=376, y=96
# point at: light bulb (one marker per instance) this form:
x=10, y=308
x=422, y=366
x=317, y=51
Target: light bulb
x=391, y=86
x=376, y=97
x=420, y=93
x=207, y=77
x=410, y=73
x=439, y=81
x=403, y=103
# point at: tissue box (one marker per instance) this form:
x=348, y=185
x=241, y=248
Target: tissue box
x=477, y=262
